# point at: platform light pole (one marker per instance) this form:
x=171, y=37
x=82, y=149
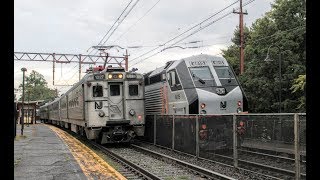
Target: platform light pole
x=267, y=59
x=22, y=123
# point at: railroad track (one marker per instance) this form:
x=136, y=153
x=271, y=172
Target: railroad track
x=153, y=165
x=269, y=165
x=223, y=166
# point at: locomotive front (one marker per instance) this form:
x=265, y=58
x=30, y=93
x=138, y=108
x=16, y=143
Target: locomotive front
x=115, y=102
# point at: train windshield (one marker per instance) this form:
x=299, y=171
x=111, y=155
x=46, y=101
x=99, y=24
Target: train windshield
x=225, y=75
x=201, y=72
x=202, y=76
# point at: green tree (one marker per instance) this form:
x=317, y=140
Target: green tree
x=36, y=88
x=283, y=26
x=298, y=87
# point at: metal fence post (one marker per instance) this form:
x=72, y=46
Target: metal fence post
x=197, y=136
x=297, y=146
x=173, y=134
x=154, y=129
x=235, y=142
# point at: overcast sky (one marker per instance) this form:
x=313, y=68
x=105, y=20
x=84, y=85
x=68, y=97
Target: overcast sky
x=68, y=26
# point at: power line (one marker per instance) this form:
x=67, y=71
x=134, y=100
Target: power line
x=199, y=24
x=137, y=21
x=194, y=32
x=121, y=21
x=112, y=25
x=278, y=33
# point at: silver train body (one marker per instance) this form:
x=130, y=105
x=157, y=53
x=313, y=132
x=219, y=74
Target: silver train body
x=201, y=84
x=106, y=105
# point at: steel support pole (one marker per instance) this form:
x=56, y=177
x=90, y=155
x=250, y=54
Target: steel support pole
x=28, y=112
x=22, y=108
x=79, y=67
x=235, y=142
x=173, y=134
x=297, y=146
x=53, y=67
x=197, y=136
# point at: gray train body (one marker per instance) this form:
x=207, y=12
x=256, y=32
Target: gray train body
x=201, y=84
x=106, y=105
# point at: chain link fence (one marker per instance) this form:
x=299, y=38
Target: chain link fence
x=219, y=137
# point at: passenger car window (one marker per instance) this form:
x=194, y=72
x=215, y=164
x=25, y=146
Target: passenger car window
x=97, y=91
x=114, y=90
x=133, y=90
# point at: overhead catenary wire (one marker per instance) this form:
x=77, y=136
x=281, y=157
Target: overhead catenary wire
x=120, y=22
x=199, y=24
x=194, y=32
x=136, y=21
x=278, y=33
x=112, y=25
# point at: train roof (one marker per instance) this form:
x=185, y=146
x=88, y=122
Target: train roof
x=173, y=64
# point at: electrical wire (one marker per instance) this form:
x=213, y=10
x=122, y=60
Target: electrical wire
x=120, y=22
x=194, y=32
x=199, y=24
x=136, y=22
x=112, y=25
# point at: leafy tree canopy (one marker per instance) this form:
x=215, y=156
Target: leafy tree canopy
x=283, y=30
x=36, y=88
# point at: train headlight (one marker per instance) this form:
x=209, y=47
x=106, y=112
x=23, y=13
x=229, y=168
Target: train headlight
x=120, y=76
x=132, y=112
x=110, y=76
x=239, y=103
x=203, y=105
x=203, y=112
x=101, y=114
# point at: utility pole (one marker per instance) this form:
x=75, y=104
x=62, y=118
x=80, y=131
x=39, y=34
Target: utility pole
x=28, y=112
x=22, y=123
x=241, y=13
x=54, y=61
x=79, y=67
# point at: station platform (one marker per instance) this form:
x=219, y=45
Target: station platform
x=40, y=154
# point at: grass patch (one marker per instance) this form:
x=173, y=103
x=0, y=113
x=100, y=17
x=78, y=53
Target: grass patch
x=18, y=137
x=16, y=162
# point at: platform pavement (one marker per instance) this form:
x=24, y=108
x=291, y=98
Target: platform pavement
x=40, y=154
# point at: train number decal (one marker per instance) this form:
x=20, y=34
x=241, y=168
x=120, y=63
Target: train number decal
x=198, y=63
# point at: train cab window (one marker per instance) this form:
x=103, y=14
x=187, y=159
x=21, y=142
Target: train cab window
x=97, y=91
x=114, y=90
x=173, y=80
x=201, y=72
x=225, y=75
x=133, y=90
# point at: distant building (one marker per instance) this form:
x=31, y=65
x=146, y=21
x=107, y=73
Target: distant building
x=31, y=111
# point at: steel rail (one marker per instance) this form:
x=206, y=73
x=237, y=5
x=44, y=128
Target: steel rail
x=197, y=169
x=123, y=161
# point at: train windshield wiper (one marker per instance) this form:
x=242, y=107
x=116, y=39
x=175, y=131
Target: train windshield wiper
x=199, y=79
x=229, y=80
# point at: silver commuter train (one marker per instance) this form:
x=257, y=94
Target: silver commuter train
x=201, y=84
x=106, y=105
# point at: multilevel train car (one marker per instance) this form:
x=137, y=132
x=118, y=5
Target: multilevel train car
x=106, y=105
x=201, y=84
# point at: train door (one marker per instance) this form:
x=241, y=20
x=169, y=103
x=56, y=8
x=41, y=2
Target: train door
x=116, y=100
